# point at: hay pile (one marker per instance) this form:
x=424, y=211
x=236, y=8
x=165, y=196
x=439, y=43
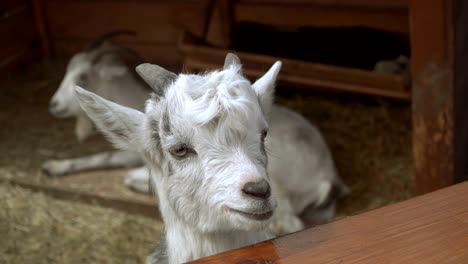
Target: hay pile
x=39, y=229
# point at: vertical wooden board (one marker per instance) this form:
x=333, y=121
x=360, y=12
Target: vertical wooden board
x=220, y=24
x=432, y=93
x=461, y=90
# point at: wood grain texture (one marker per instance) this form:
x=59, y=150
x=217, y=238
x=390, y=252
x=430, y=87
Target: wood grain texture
x=158, y=22
x=432, y=228
x=432, y=93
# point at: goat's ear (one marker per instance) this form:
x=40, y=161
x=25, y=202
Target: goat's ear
x=265, y=86
x=121, y=125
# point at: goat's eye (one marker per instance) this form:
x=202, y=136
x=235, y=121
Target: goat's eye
x=264, y=134
x=181, y=151
x=82, y=78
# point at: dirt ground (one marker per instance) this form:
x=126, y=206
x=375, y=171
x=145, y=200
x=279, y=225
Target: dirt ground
x=370, y=140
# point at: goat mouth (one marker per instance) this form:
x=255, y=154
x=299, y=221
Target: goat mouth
x=254, y=216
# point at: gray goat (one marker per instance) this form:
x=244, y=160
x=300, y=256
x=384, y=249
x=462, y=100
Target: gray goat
x=101, y=70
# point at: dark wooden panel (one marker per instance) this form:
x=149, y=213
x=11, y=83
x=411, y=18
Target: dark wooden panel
x=17, y=29
x=432, y=228
x=394, y=20
x=154, y=21
x=432, y=93
x=461, y=90
x=386, y=4
x=9, y=6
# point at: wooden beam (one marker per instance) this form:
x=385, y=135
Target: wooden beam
x=292, y=15
x=461, y=90
x=431, y=228
x=132, y=207
x=432, y=48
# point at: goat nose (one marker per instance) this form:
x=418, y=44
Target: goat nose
x=259, y=189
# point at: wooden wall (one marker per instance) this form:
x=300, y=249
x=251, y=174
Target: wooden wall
x=18, y=34
x=159, y=24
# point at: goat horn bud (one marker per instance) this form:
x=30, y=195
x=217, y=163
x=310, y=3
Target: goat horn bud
x=156, y=77
x=231, y=59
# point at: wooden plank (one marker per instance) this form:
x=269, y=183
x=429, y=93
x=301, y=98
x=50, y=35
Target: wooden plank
x=461, y=90
x=292, y=16
x=298, y=73
x=432, y=93
x=384, y=4
x=131, y=207
x=432, y=228
x=159, y=22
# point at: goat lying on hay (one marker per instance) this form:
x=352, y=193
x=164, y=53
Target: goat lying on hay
x=102, y=71
x=204, y=139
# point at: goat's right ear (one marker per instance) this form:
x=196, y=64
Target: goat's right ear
x=121, y=125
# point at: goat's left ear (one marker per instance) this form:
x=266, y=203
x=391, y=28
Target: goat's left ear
x=120, y=124
x=265, y=86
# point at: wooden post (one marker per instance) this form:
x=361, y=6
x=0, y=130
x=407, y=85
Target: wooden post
x=461, y=90
x=432, y=49
x=219, y=28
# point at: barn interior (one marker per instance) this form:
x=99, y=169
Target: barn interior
x=346, y=69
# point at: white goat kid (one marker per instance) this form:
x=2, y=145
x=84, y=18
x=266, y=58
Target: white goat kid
x=203, y=137
x=100, y=70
